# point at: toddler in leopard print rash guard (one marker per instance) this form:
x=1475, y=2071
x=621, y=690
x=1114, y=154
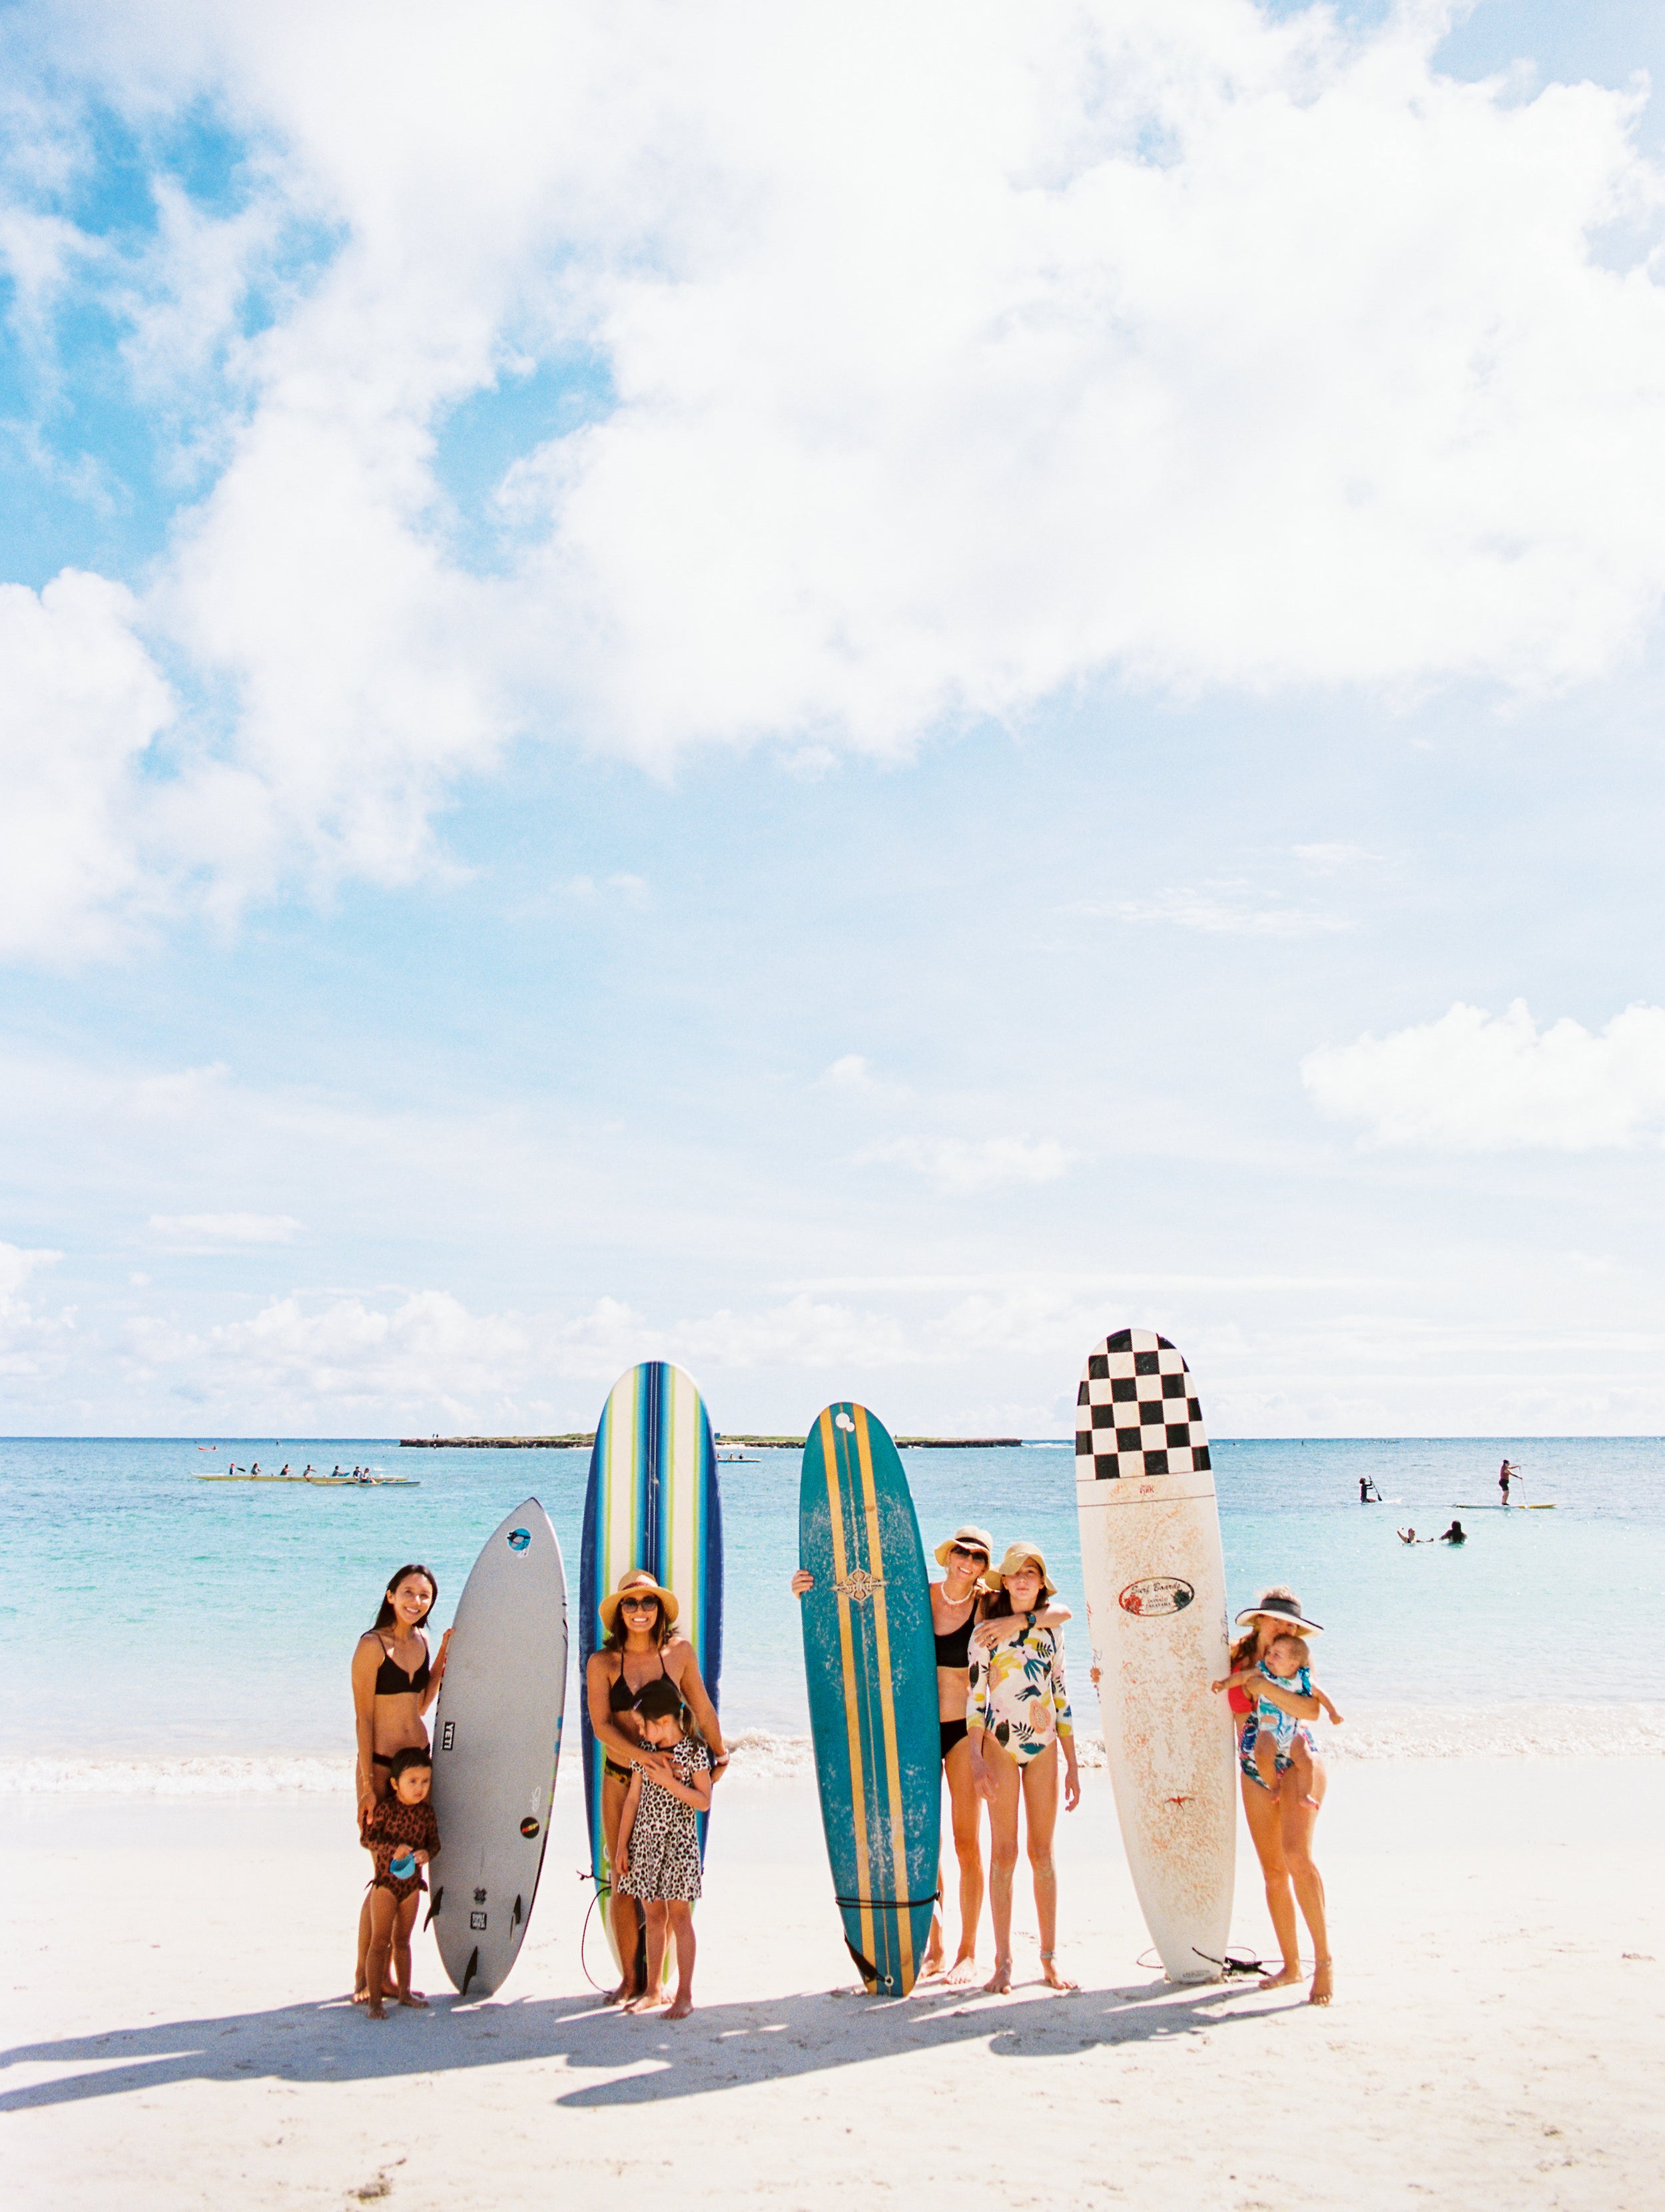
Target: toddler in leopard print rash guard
x=402, y=1836
x=658, y=1851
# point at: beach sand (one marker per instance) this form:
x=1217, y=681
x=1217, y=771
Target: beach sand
x=176, y=1971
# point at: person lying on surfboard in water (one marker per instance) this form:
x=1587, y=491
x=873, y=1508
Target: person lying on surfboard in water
x=658, y=1845
x=956, y=1601
x=1017, y=1715
x=1274, y=1743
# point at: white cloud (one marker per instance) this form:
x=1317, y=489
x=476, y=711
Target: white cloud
x=1222, y=910
x=33, y=1347
x=629, y=891
x=962, y=1165
x=213, y=1229
x=835, y=269
x=1475, y=1082
x=81, y=705
x=346, y=1351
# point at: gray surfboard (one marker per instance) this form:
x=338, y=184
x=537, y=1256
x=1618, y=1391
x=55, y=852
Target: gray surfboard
x=496, y=1745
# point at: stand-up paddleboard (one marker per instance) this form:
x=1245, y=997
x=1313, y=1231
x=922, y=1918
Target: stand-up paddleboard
x=652, y=1502
x=496, y=1745
x=871, y=1669
x=1155, y=1579
x=1548, y=1506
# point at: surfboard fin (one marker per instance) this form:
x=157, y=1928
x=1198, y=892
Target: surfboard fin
x=433, y=1905
x=469, y=1970
x=514, y=1918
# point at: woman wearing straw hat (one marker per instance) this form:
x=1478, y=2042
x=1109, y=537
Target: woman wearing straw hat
x=1282, y=1826
x=639, y=1617
x=1017, y=1713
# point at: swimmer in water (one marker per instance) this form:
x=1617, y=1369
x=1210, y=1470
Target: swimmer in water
x=1410, y=1537
x=1456, y=1534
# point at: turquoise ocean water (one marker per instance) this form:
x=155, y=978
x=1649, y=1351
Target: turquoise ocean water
x=157, y=1630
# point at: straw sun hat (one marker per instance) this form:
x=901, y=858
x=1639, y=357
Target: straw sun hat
x=1285, y=1611
x=637, y=1581
x=1017, y=1556
x=971, y=1539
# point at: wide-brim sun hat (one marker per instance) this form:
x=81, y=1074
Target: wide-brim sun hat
x=1285, y=1611
x=638, y=1581
x=1017, y=1556
x=970, y=1538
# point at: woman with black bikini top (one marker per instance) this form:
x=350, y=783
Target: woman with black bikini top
x=393, y=1686
x=641, y=1646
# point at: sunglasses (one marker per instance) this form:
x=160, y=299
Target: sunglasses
x=638, y=1604
x=966, y=1551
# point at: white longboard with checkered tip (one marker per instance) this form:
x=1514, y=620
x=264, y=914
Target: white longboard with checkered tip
x=1155, y=1579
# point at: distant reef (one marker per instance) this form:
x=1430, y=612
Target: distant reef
x=576, y=1442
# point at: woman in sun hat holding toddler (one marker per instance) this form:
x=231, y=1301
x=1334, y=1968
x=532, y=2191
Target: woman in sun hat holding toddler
x=1282, y=1825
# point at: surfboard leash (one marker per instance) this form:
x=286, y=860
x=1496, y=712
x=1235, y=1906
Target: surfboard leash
x=602, y=1889
x=1229, y=1966
x=865, y=1967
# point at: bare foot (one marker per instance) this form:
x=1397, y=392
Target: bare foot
x=1054, y=1979
x=1282, y=1978
x=360, y=1994
x=961, y=1973
x=998, y=1983
x=683, y=2007
x=414, y=1999
x=642, y=2002
x=1323, y=1983
x=621, y=1994
x=373, y=2009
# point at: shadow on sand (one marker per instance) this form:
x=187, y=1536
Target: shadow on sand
x=641, y=2061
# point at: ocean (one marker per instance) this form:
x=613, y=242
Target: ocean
x=162, y=1633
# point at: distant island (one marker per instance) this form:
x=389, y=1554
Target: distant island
x=575, y=1442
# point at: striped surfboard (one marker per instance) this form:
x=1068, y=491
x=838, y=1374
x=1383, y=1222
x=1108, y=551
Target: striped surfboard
x=871, y=1669
x=652, y=1502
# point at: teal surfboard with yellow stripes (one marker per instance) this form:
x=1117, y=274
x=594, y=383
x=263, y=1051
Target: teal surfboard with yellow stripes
x=872, y=1670
x=652, y=1501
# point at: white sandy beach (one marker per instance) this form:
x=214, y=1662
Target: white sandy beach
x=180, y=2039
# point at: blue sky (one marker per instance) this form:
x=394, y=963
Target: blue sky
x=841, y=704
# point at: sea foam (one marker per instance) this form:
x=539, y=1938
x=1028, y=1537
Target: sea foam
x=762, y=1756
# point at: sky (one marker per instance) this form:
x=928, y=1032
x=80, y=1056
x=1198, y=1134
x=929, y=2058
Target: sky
x=846, y=695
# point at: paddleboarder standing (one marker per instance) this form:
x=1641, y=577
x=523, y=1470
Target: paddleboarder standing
x=1505, y=1476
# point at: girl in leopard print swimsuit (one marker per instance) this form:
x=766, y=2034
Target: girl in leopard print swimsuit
x=659, y=1847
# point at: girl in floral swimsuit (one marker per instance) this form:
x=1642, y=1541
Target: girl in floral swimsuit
x=1017, y=1716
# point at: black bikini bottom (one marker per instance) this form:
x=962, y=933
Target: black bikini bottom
x=953, y=1732
x=618, y=1773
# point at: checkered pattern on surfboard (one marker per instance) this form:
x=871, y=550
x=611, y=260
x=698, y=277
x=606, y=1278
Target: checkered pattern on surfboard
x=1135, y=1413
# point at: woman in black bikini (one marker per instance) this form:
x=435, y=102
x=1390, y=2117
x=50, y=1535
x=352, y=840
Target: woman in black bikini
x=393, y=1686
x=640, y=1648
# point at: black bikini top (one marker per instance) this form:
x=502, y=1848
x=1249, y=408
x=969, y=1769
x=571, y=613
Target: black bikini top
x=621, y=1698
x=954, y=1650
x=392, y=1682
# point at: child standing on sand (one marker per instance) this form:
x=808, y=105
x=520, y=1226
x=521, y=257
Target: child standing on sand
x=402, y=1836
x=659, y=1848
x=1272, y=1738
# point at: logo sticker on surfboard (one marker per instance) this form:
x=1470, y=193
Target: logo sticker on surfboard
x=1152, y=1595
x=529, y=1826
x=518, y=1538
